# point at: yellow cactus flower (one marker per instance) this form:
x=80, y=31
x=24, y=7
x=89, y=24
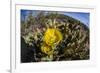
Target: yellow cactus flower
x=46, y=49
x=52, y=36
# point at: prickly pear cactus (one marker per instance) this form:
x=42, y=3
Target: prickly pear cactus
x=55, y=37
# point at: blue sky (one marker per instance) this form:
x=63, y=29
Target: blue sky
x=83, y=17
